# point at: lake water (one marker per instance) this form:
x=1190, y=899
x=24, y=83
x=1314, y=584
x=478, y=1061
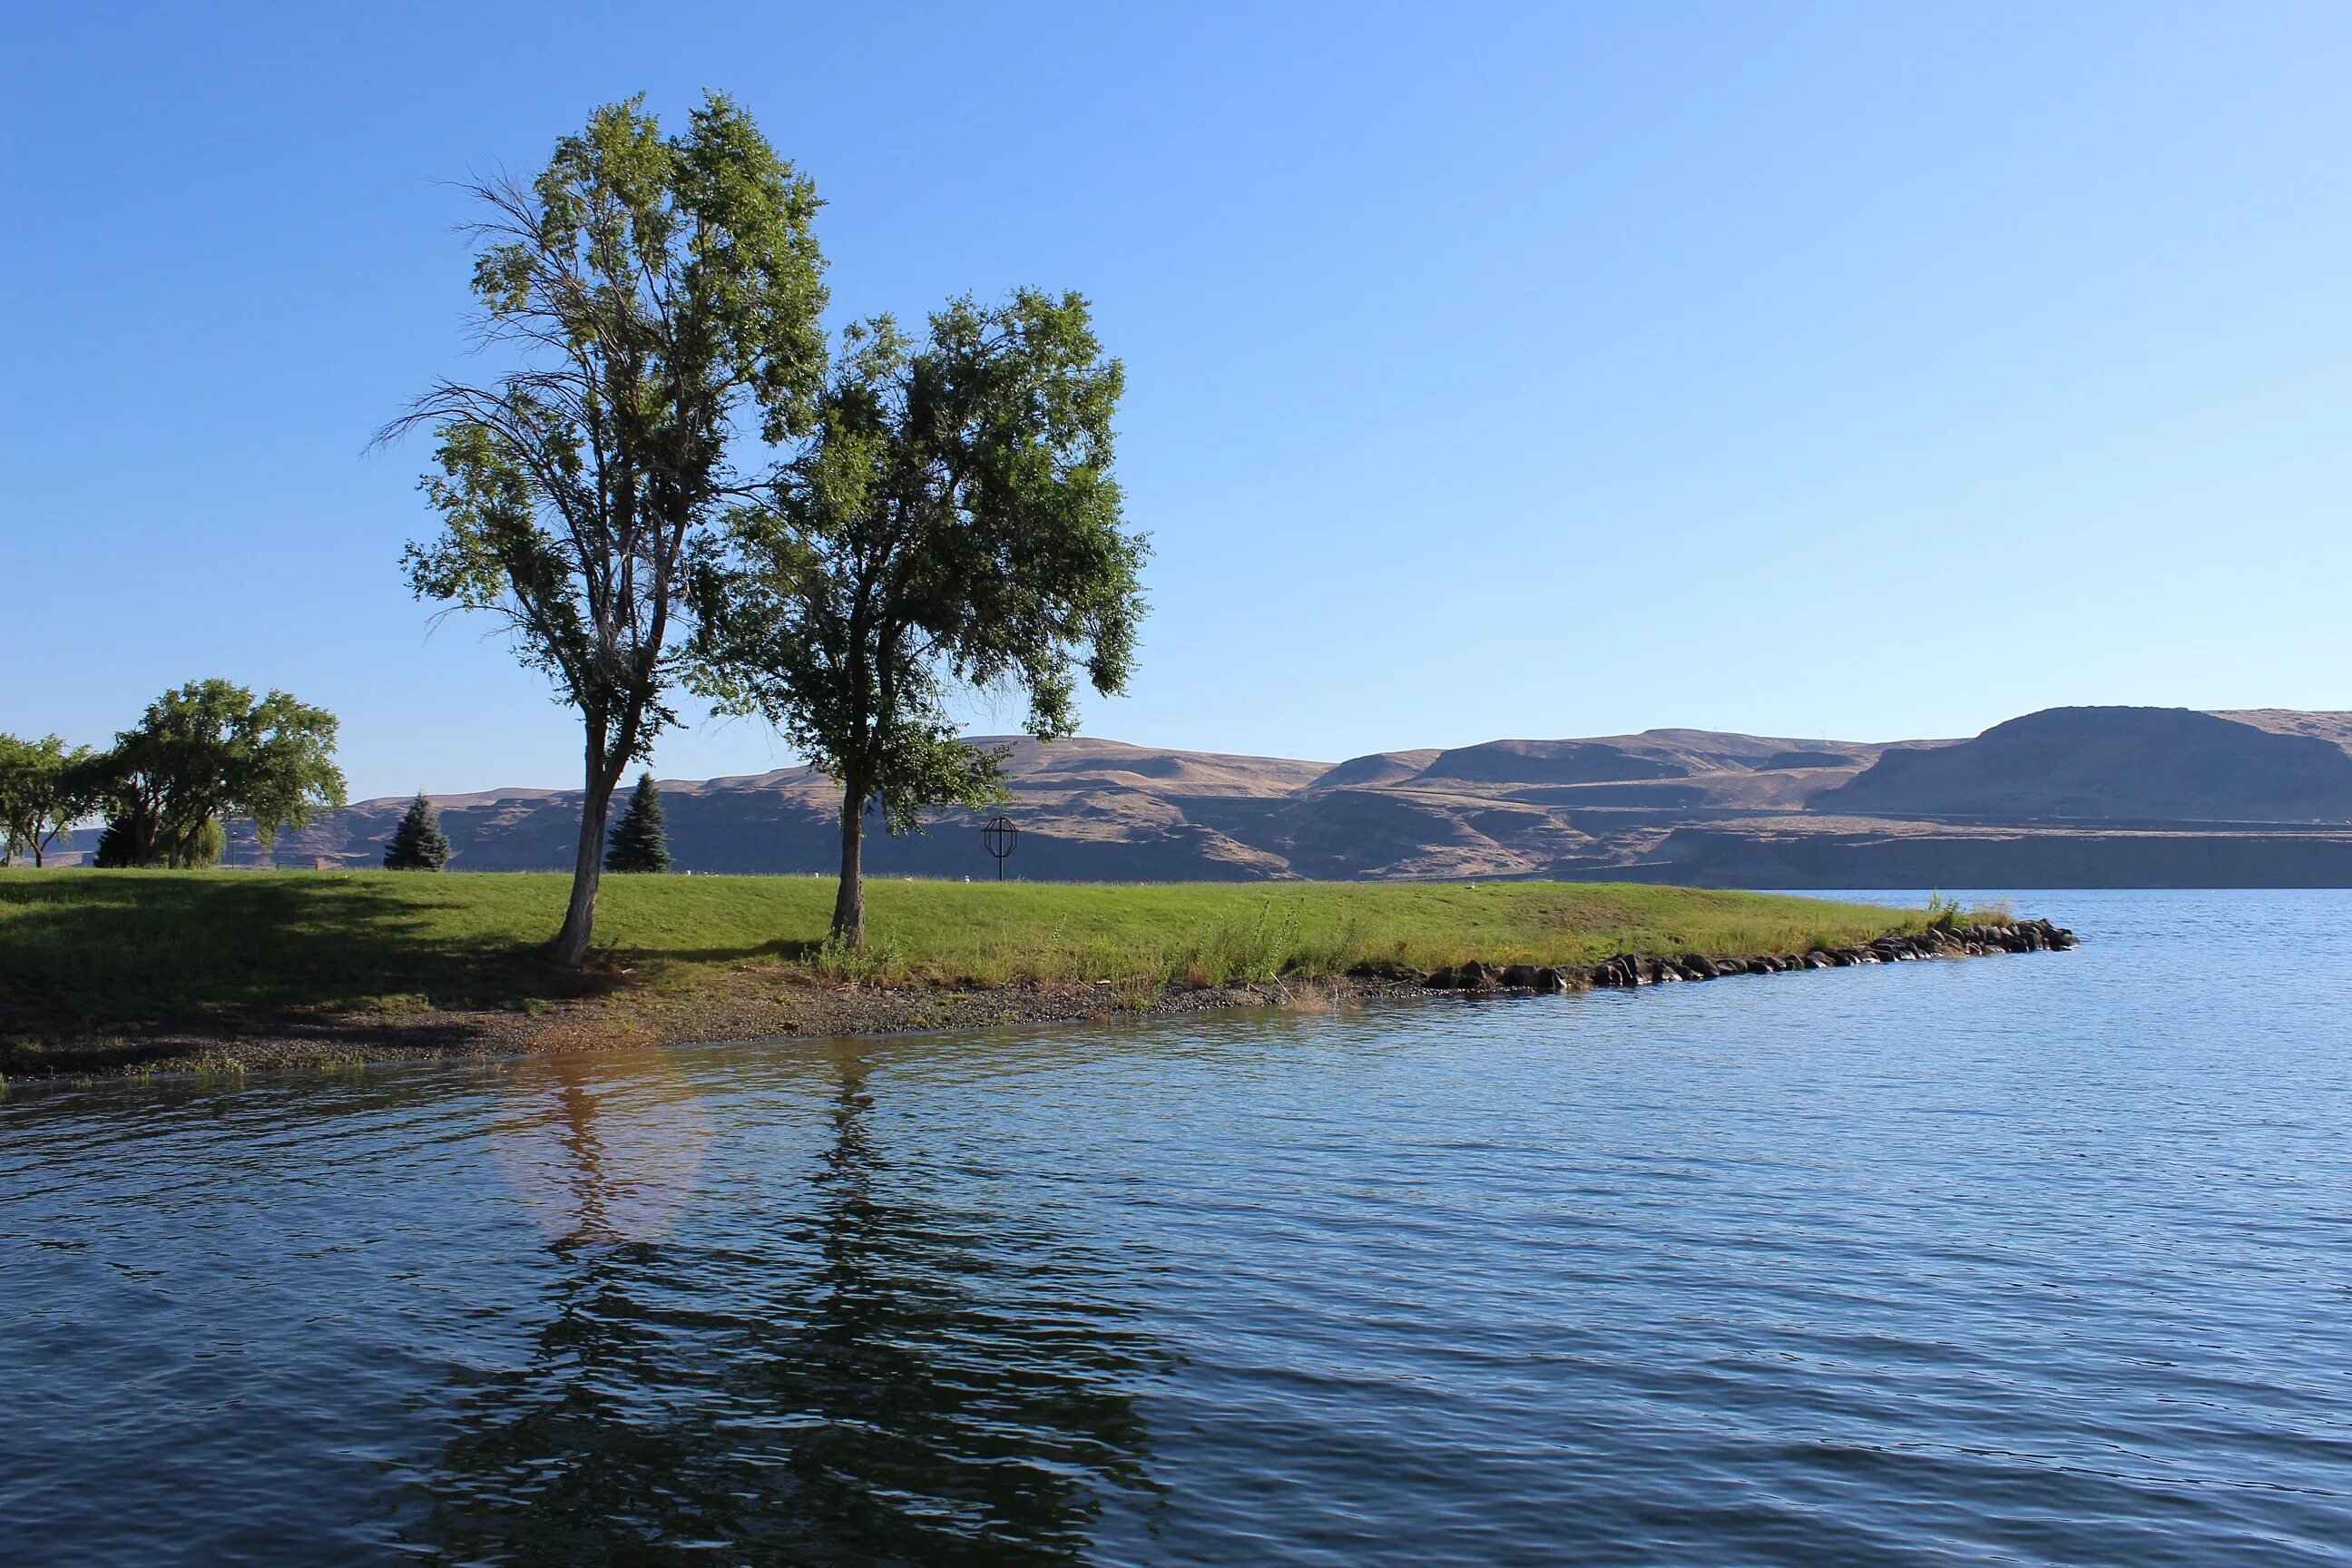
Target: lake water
x=2044, y=1258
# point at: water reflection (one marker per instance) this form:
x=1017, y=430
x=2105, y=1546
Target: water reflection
x=2031, y=1259
x=602, y=1149
x=879, y=1366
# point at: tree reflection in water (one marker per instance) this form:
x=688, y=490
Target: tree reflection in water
x=602, y=1150
x=877, y=1373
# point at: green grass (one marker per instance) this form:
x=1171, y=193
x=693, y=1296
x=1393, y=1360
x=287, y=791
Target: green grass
x=84, y=950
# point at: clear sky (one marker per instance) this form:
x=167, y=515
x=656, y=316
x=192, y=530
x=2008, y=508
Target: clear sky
x=1864, y=371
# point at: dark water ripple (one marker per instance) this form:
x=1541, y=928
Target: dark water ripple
x=2034, y=1259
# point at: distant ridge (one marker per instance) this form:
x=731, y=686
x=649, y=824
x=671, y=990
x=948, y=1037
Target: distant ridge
x=2114, y=764
x=2069, y=797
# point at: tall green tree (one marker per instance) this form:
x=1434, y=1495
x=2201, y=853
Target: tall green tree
x=951, y=525
x=417, y=843
x=662, y=297
x=204, y=754
x=640, y=838
x=45, y=787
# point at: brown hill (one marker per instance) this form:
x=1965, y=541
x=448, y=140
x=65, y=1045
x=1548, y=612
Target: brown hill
x=2067, y=798
x=2116, y=764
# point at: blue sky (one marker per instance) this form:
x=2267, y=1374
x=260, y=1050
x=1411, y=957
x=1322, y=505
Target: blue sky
x=1861, y=371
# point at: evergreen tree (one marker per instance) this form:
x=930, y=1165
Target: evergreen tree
x=417, y=843
x=114, y=849
x=638, y=842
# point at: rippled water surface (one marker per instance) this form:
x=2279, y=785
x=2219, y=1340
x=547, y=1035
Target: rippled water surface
x=2027, y=1259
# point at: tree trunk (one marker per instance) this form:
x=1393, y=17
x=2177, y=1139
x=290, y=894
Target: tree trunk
x=849, y=903
x=571, y=949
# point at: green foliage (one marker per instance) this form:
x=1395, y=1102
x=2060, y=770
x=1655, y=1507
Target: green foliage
x=951, y=525
x=640, y=842
x=417, y=843
x=1242, y=949
x=118, y=847
x=204, y=753
x=45, y=787
x=661, y=292
x=1945, y=913
x=856, y=964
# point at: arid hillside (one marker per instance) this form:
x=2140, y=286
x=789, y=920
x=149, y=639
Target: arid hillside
x=2161, y=764
x=2079, y=796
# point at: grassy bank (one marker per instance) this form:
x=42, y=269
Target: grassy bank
x=84, y=952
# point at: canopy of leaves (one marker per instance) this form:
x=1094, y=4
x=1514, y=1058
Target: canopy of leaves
x=209, y=750
x=655, y=289
x=45, y=786
x=951, y=525
x=640, y=841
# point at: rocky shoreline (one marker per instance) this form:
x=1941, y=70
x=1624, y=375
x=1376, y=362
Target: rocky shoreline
x=755, y=1005
x=1629, y=969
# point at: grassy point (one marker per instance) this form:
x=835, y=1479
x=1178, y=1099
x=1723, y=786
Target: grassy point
x=82, y=953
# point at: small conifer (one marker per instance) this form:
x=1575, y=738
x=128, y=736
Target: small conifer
x=417, y=843
x=638, y=842
x=114, y=845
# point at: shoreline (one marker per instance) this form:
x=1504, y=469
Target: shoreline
x=755, y=1004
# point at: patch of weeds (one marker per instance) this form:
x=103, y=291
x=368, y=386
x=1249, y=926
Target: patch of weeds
x=1338, y=955
x=836, y=960
x=1238, y=954
x=392, y=1005
x=1138, y=995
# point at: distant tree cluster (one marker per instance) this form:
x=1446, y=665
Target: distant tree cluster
x=682, y=482
x=168, y=787
x=45, y=787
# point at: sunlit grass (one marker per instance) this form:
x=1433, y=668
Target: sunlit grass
x=85, y=950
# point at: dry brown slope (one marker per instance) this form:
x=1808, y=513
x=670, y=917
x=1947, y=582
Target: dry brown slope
x=2114, y=764
x=1667, y=804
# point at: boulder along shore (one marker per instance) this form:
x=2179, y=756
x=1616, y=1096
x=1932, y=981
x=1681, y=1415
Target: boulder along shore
x=1650, y=969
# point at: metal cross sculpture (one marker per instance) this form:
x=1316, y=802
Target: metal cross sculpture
x=1000, y=836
